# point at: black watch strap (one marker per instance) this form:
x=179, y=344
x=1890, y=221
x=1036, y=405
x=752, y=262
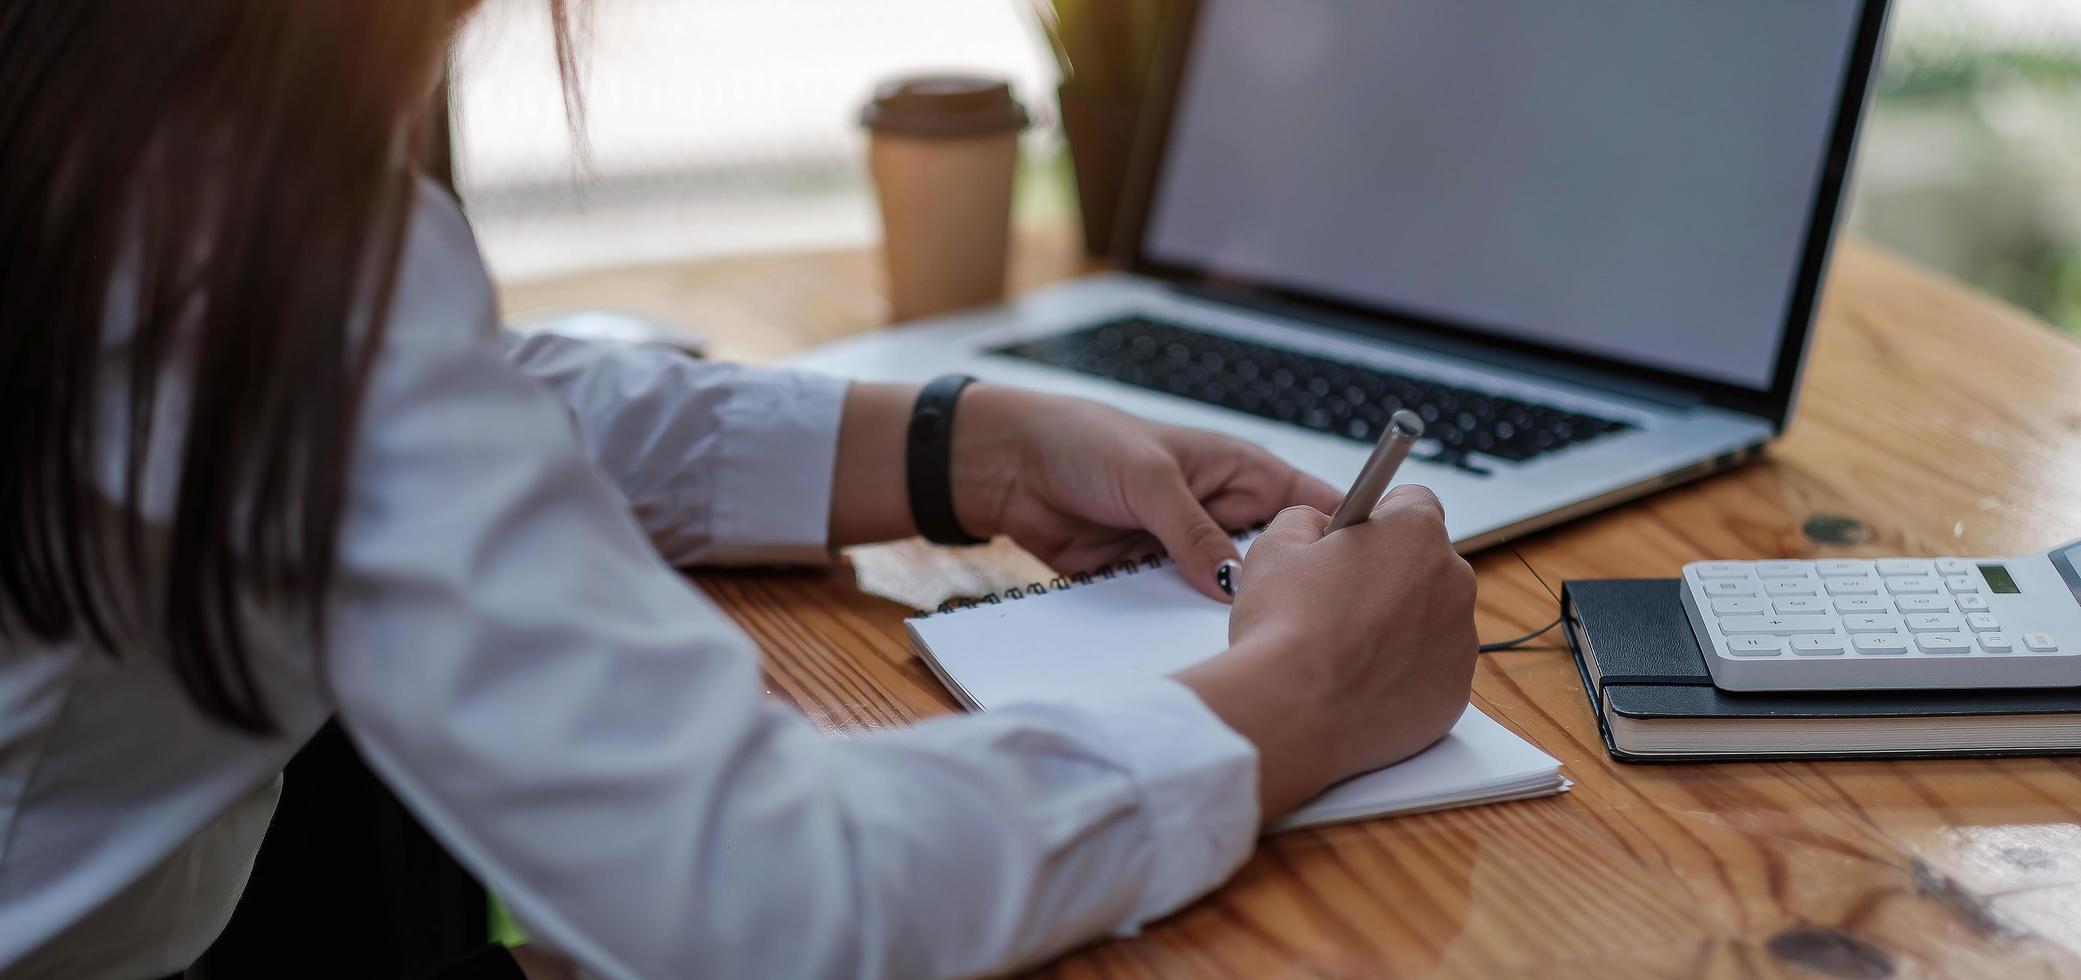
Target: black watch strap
x=929, y=461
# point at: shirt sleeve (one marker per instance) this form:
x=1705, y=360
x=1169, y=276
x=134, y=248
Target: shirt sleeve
x=721, y=464
x=587, y=733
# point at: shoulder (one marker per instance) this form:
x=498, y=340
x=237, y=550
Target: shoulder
x=443, y=299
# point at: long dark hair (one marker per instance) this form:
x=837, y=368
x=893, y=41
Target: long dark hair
x=204, y=198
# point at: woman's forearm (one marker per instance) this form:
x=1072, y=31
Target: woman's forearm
x=869, y=498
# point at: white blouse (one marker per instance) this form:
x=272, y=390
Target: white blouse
x=513, y=652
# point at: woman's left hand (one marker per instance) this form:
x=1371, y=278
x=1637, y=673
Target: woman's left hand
x=1080, y=485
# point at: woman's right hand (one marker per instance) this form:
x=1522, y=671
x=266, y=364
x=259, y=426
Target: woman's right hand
x=1348, y=652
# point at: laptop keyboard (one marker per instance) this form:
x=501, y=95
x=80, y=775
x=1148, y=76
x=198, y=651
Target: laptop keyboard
x=1319, y=393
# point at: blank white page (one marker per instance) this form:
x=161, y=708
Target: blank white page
x=1154, y=624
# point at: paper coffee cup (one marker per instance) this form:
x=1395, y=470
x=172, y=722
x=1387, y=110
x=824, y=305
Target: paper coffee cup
x=942, y=152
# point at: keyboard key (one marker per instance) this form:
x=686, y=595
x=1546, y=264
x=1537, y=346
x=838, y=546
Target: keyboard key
x=1962, y=583
x=1799, y=606
x=1934, y=623
x=1906, y=566
x=1818, y=645
x=1777, y=625
x=1722, y=569
x=1861, y=604
x=1953, y=566
x=1840, y=568
x=1853, y=586
x=1755, y=646
x=1996, y=642
x=1737, y=606
x=1789, y=586
x=1922, y=603
x=1871, y=623
x=1982, y=623
x=1912, y=584
x=2040, y=643
x=1729, y=587
x=1342, y=398
x=1783, y=569
x=1880, y=644
x=1972, y=603
x=1943, y=643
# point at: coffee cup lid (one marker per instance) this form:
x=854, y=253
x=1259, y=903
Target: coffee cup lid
x=943, y=106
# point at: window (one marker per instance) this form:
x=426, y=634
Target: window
x=716, y=125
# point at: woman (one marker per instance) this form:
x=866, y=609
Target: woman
x=268, y=459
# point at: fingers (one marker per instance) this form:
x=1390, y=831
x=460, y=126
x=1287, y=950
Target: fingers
x=1198, y=544
x=1413, y=516
x=1258, y=483
x=1410, y=500
x=1294, y=528
x=1314, y=493
x=1300, y=524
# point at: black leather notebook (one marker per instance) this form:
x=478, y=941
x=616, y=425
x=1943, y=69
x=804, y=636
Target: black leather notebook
x=1655, y=701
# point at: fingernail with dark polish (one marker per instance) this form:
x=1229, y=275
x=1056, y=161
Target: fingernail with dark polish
x=1225, y=576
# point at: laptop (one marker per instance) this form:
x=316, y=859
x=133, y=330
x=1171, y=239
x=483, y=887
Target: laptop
x=1583, y=240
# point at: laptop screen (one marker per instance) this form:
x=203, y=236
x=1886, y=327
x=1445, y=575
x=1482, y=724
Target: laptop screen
x=1628, y=179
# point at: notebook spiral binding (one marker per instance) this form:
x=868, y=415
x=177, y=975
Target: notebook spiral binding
x=1105, y=573
x=1125, y=566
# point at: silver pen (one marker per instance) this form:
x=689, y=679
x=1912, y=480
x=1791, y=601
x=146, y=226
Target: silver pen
x=1403, y=429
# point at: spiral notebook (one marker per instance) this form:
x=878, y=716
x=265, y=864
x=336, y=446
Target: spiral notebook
x=1141, y=619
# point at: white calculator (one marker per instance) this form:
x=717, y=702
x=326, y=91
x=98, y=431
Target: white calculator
x=1889, y=623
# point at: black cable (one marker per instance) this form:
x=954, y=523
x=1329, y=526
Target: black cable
x=1520, y=641
x=1535, y=634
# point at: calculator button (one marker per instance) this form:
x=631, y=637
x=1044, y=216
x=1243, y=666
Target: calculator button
x=1728, y=607
x=1912, y=584
x=1935, y=623
x=1822, y=645
x=1788, y=586
x=1833, y=569
x=1996, y=642
x=1729, y=586
x=1853, y=586
x=1906, y=566
x=1783, y=569
x=2040, y=643
x=1861, y=604
x=1871, y=623
x=1880, y=644
x=1799, y=605
x=1922, y=603
x=1982, y=622
x=1953, y=566
x=1722, y=569
x=1755, y=646
x=1972, y=603
x=1962, y=583
x=1777, y=625
x=1944, y=643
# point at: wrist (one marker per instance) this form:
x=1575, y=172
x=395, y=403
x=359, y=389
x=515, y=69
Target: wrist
x=1258, y=695
x=871, y=500
x=988, y=453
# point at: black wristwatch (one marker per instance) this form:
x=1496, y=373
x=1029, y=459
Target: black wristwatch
x=929, y=462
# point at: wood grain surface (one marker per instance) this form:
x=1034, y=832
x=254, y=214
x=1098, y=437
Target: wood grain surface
x=1934, y=421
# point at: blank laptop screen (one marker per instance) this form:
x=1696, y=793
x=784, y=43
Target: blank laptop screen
x=1631, y=179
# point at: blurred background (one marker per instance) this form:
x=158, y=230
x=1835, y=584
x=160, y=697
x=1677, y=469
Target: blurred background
x=728, y=126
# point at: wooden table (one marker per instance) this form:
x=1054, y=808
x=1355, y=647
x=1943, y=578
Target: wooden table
x=1934, y=421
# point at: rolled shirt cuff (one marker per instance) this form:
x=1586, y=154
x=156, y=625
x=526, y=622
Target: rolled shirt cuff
x=777, y=455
